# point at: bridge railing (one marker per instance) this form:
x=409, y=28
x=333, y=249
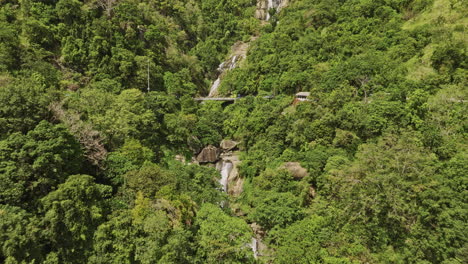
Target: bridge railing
x=215, y=99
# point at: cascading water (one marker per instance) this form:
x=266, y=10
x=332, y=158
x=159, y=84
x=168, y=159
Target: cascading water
x=239, y=52
x=233, y=62
x=254, y=247
x=228, y=65
x=225, y=170
x=214, y=87
x=269, y=6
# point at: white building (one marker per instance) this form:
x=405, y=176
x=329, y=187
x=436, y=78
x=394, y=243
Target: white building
x=302, y=96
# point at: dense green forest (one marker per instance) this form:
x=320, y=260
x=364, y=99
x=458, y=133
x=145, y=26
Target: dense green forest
x=100, y=132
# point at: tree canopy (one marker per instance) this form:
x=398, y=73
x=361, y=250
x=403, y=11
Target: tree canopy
x=101, y=138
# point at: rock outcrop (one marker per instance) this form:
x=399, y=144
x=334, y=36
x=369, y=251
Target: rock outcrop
x=312, y=192
x=262, y=10
x=209, y=154
x=228, y=145
x=257, y=229
x=296, y=170
x=264, y=6
x=236, y=186
x=260, y=248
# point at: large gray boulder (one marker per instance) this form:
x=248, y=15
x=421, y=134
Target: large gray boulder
x=227, y=145
x=209, y=154
x=296, y=170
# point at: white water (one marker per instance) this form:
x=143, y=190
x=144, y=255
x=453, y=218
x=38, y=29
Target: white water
x=226, y=167
x=254, y=247
x=214, y=87
x=275, y=4
x=225, y=170
x=269, y=6
x=223, y=67
x=233, y=62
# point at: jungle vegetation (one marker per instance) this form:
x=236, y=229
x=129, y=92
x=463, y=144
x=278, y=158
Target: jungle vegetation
x=96, y=99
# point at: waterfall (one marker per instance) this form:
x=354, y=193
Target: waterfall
x=233, y=62
x=227, y=65
x=269, y=6
x=214, y=87
x=254, y=247
x=225, y=170
x=264, y=7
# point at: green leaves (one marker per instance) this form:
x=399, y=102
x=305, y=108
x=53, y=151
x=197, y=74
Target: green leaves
x=142, y=235
x=19, y=236
x=394, y=189
x=303, y=241
x=382, y=138
x=449, y=57
x=149, y=180
x=32, y=165
x=276, y=209
x=222, y=238
x=72, y=214
x=23, y=103
x=8, y=47
x=123, y=117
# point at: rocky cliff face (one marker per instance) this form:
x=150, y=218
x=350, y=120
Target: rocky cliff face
x=264, y=6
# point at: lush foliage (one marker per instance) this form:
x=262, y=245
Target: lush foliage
x=96, y=100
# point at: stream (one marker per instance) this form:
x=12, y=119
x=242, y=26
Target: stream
x=238, y=53
x=226, y=167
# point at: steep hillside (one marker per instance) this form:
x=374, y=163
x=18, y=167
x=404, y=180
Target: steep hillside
x=107, y=156
x=380, y=136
